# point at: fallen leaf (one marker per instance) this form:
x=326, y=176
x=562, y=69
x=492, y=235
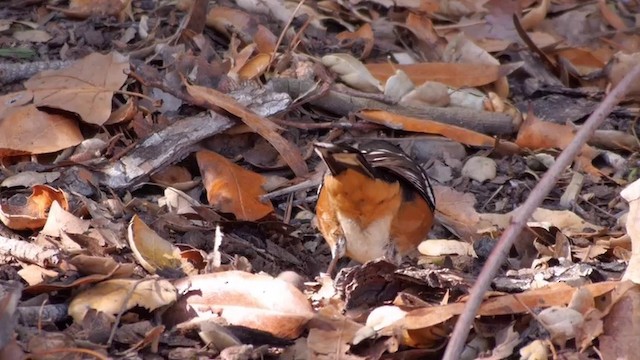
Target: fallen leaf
x=259, y=302
x=80, y=88
x=32, y=214
x=59, y=220
x=113, y=296
x=34, y=36
x=456, y=75
x=352, y=72
x=231, y=188
x=407, y=123
x=536, y=134
x=534, y=17
x=152, y=252
x=362, y=37
x=632, y=195
x=27, y=130
x=259, y=124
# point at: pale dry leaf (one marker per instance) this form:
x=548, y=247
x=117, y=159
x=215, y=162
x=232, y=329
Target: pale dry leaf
x=60, y=220
x=352, y=72
x=256, y=301
x=34, y=36
x=152, y=252
x=535, y=350
x=561, y=322
x=398, y=85
x=81, y=88
x=109, y=297
x=462, y=50
x=438, y=247
x=534, y=17
x=632, y=195
x=430, y=93
x=380, y=318
x=618, y=67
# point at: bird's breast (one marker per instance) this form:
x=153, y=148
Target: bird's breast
x=366, y=243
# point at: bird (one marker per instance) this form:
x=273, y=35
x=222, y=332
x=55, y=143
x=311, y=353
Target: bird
x=374, y=202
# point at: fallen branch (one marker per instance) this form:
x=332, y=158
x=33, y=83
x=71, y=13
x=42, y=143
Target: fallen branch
x=28, y=252
x=490, y=123
x=548, y=181
x=165, y=147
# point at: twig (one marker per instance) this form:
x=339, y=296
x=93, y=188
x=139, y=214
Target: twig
x=486, y=122
x=499, y=253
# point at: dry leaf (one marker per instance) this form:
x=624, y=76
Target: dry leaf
x=561, y=322
x=407, y=123
x=611, y=17
x=267, y=129
x=352, y=72
x=32, y=214
x=430, y=93
x=255, y=67
x=255, y=301
x=462, y=50
x=59, y=220
x=89, y=265
x=534, y=17
x=362, y=37
x=35, y=36
x=632, y=195
x=398, y=85
x=152, y=252
x=435, y=247
x=113, y=296
x=333, y=339
x=80, y=88
x=536, y=134
x=27, y=130
x=456, y=75
x=231, y=188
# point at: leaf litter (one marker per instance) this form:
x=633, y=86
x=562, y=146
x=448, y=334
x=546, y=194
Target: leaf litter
x=158, y=184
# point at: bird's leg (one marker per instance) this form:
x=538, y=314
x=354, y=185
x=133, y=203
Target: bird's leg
x=337, y=253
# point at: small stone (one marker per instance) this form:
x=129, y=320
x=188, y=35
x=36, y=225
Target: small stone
x=479, y=168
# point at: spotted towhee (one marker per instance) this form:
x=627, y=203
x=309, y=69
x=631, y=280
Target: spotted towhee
x=374, y=202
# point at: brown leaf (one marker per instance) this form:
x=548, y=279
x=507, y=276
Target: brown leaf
x=89, y=265
x=81, y=88
x=452, y=74
x=362, y=36
x=255, y=301
x=33, y=213
x=231, y=188
x=27, y=130
x=406, y=123
x=534, y=17
x=259, y=124
x=536, y=134
x=255, y=67
x=557, y=294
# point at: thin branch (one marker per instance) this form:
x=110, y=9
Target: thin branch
x=499, y=253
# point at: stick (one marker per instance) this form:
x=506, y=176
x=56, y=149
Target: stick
x=499, y=253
